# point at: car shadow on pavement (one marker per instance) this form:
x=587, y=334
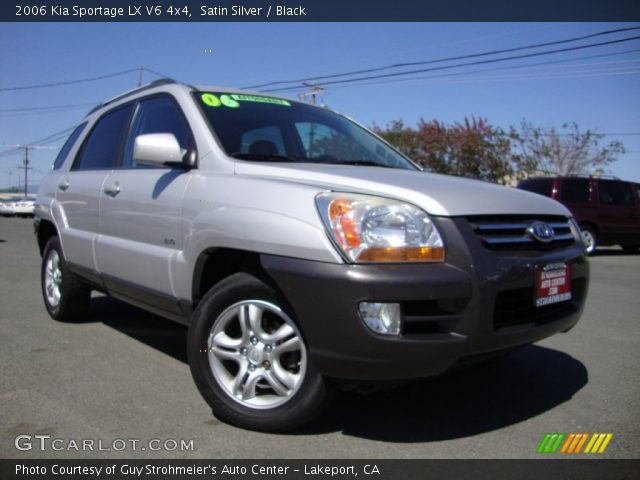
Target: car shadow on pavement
x=477, y=399
x=164, y=335
x=488, y=396
x=613, y=253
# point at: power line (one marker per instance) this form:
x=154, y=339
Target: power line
x=525, y=76
x=440, y=60
x=448, y=67
x=46, y=107
x=49, y=138
x=68, y=82
x=488, y=70
x=161, y=75
x=549, y=76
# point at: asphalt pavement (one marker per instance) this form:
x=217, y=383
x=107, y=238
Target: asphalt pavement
x=121, y=381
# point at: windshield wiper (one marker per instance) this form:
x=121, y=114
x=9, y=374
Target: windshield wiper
x=365, y=163
x=262, y=157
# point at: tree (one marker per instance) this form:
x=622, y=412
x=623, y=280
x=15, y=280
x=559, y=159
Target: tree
x=403, y=138
x=563, y=152
x=473, y=148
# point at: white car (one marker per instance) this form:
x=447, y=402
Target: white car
x=23, y=207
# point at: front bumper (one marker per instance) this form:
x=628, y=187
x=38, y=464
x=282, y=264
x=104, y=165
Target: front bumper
x=477, y=302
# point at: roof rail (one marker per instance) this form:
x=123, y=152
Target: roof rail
x=155, y=83
x=594, y=175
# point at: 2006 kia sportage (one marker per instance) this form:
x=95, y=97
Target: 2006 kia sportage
x=298, y=247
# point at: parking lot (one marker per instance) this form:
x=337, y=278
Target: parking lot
x=123, y=375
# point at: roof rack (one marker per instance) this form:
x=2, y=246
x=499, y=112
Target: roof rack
x=593, y=175
x=155, y=83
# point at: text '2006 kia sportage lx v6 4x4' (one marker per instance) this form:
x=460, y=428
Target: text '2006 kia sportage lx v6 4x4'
x=298, y=247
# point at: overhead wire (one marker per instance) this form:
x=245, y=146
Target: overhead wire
x=67, y=82
x=46, y=107
x=464, y=77
x=49, y=138
x=459, y=65
x=418, y=79
x=446, y=59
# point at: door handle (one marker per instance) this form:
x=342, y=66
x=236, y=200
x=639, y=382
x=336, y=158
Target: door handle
x=112, y=190
x=63, y=185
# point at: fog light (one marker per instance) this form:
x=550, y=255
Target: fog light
x=382, y=318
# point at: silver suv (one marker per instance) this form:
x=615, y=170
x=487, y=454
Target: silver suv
x=301, y=250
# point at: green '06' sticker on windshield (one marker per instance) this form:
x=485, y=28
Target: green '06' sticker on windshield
x=231, y=100
x=227, y=101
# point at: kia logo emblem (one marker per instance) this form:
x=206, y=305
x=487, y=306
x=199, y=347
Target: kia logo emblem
x=540, y=231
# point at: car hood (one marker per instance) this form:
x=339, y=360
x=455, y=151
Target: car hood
x=442, y=195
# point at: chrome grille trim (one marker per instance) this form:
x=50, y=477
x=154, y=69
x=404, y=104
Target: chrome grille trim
x=509, y=232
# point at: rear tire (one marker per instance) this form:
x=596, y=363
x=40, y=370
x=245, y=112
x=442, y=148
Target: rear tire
x=249, y=359
x=65, y=297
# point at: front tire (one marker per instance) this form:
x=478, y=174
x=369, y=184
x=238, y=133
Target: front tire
x=65, y=297
x=249, y=359
x=590, y=239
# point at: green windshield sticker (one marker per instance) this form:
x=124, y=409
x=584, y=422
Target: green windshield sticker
x=210, y=99
x=232, y=100
x=255, y=98
x=227, y=101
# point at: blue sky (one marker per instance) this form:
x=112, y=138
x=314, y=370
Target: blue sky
x=598, y=93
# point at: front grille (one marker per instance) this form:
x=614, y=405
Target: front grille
x=508, y=232
x=516, y=306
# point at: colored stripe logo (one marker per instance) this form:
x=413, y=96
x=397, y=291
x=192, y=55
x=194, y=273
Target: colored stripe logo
x=573, y=443
x=550, y=442
x=598, y=443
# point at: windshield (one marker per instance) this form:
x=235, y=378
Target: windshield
x=260, y=128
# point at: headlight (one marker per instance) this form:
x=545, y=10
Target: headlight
x=379, y=230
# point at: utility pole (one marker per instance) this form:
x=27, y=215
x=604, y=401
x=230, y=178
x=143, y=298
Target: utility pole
x=26, y=170
x=26, y=149
x=314, y=92
x=140, y=72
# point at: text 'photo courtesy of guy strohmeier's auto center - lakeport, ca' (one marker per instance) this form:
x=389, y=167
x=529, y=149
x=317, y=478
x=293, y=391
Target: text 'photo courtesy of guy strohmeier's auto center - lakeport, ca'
x=379, y=242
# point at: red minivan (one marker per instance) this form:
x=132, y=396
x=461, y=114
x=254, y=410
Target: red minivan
x=607, y=209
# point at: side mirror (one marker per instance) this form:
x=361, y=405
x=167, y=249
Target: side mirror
x=161, y=149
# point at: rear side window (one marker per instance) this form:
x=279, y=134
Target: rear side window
x=68, y=145
x=614, y=193
x=102, y=148
x=542, y=186
x=157, y=115
x=575, y=190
